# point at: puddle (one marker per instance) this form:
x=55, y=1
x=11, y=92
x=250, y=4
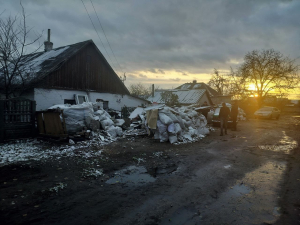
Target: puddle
x=131, y=175
x=252, y=200
x=286, y=145
x=181, y=216
x=238, y=190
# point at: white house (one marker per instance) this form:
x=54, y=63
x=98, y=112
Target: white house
x=71, y=74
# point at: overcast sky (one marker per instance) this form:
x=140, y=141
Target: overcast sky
x=168, y=42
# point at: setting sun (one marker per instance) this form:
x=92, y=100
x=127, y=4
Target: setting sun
x=252, y=87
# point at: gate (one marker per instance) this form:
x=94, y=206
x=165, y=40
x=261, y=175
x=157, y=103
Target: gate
x=17, y=118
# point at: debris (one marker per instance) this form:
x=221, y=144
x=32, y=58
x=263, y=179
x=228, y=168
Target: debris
x=87, y=115
x=58, y=187
x=176, y=125
x=92, y=173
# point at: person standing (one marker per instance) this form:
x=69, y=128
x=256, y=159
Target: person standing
x=223, y=115
x=234, y=114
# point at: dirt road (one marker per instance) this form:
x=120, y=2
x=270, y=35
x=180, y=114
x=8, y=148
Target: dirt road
x=250, y=176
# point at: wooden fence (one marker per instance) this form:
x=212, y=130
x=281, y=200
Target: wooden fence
x=17, y=118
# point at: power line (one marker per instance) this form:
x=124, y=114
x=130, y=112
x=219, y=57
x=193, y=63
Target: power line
x=96, y=30
x=107, y=38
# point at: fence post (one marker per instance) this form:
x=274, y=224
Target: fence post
x=33, y=108
x=2, y=102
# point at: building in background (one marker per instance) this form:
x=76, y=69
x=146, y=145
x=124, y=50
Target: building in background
x=216, y=98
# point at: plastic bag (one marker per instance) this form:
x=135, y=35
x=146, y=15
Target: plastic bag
x=173, y=139
x=164, y=118
x=171, y=128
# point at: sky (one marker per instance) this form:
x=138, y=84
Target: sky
x=167, y=42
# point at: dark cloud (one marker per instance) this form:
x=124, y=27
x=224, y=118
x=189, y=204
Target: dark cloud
x=192, y=36
x=156, y=71
x=182, y=73
x=161, y=71
x=143, y=76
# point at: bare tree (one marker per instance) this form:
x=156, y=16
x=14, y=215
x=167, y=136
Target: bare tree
x=236, y=86
x=269, y=71
x=14, y=42
x=218, y=82
x=139, y=89
x=169, y=98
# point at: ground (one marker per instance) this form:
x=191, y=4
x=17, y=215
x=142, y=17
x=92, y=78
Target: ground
x=250, y=176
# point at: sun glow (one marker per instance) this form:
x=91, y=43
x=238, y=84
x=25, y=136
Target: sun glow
x=251, y=87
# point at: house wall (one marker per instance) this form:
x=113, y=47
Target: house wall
x=86, y=70
x=117, y=101
x=203, y=99
x=46, y=98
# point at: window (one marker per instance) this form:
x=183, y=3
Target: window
x=79, y=99
x=70, y=101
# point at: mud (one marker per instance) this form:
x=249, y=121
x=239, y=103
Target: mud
x=250, y=176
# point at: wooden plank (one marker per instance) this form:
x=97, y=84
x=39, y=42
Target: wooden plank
x=32, y=117
x=53, y=124
x=40, y=122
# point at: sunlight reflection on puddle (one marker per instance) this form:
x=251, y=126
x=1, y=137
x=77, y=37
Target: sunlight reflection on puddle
x=131, y=175
x=286, y=145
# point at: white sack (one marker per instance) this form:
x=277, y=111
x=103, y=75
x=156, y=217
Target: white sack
x=156, y=135
x=115, y=131
x=192, y=113
x=187, y=123
x=102, y=112
x=192, y=131
x=173, y=139
x=169, y=113
x=188, y=136
x=75, y=116
x=163, y=137
x=180, y=121
x=203, y=130
x=106, y=123
x=177, y=128
x=171, y=128
x=164, y=118
x=161, y=127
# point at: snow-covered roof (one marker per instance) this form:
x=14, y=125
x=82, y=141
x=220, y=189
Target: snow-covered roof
x=191, y=86
x=184, y=96
x=36, y=66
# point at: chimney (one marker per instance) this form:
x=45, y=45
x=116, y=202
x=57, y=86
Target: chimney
x=194, y=81
x=48, y=44
x=152, y=90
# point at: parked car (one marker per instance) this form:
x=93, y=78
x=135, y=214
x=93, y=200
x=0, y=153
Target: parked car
x=216, y=119
x=267, y=112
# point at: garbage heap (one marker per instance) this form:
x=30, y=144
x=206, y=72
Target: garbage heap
x=176, y=125
x=89, y=116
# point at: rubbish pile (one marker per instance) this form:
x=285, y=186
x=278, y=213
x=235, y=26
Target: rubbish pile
x=176, y=125
x=86, y=117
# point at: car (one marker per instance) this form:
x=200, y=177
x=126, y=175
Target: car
x=267, y=112
x=216, y=119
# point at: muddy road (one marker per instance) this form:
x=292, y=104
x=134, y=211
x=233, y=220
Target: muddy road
x=250, y=176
